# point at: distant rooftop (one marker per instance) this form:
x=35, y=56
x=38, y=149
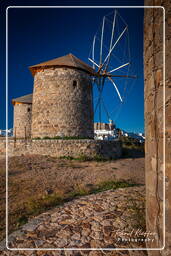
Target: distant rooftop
x=24, y=99
x=68, y=60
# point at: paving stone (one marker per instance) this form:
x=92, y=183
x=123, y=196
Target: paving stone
x=96, y=229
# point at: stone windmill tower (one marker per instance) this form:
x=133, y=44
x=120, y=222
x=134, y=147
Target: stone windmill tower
x=22, y=116
x=62, y=102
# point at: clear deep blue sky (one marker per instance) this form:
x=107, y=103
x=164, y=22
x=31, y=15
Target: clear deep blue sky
x=37, y=35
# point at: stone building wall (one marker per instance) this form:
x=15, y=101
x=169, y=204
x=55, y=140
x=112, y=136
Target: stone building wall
x=103, y=126
x=154, y=120
x=62, y=103
x=22, y=120
x=57, y=148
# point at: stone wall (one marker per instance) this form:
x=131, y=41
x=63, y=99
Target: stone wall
x=62, y=103
x=57, y=148
x=22, y=120
x=154, y=118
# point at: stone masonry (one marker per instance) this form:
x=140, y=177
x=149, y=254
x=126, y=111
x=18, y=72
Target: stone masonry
x=93, y=221
x=58, y=148
x=62, y=103
x=62, y=106
x=154, y=118
x=22, y=120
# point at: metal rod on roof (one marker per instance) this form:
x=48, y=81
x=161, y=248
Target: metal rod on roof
x=116, y=88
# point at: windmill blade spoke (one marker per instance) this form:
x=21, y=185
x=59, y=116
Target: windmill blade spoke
x=112, y=34
x=93, y=62
x=116, y=88
x=120, y=36
x=101, y=44
x=109, y=46
x=113, y=28
x=94, y=40
x=126, y=64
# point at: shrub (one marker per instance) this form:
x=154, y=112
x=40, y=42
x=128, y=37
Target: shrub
x=66, y=157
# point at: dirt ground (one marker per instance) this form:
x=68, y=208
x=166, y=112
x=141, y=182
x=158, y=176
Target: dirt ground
x=30, y=177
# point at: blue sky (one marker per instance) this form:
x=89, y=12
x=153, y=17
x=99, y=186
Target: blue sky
x=37, y=35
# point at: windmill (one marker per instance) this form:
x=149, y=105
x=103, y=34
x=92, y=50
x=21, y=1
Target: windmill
x=110, y=57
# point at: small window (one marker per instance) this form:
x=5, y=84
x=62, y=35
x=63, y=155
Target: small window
x=74, y=83
x=28, y=109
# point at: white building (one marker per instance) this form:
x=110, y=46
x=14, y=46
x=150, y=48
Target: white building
x=104, y=135
x=105, y=131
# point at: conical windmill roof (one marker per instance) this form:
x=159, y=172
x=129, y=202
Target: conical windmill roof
x=27, y=99
x=68, y=60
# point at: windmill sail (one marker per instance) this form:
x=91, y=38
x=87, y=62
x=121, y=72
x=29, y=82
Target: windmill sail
x=108, y=60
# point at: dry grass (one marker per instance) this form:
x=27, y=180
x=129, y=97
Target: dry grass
x=37, y=183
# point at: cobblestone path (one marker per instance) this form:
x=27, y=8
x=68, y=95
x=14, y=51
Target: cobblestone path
x=92, y=221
